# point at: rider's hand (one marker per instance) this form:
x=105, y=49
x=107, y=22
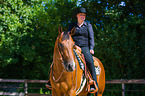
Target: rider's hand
x=92, y=51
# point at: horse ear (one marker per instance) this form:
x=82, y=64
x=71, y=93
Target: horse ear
x=72, y=32
x=60, y=29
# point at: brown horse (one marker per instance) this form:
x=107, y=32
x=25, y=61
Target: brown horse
x=66, y=74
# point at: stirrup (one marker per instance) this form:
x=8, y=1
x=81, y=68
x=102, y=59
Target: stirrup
x=47, y=85
x=92, y=82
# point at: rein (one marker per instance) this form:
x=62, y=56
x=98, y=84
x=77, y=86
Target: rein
x=58, y=77
x=61, y=56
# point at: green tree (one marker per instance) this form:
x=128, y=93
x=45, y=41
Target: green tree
x=18, y=54
x=119, y=34
x=29, y=29
x=28, y=32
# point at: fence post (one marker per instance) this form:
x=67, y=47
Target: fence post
x=123, y=89
x=26, y=88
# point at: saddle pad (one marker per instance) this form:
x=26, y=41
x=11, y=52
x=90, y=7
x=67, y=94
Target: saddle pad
x=97, y=69
x=83, y=82
x=96, y=64
x=79, y=57
x=82, y=65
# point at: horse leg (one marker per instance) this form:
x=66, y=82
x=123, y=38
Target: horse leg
x=56, y=93
x=71, y=93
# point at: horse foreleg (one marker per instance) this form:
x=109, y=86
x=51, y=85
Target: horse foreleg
x=71, y=93
x=56, y=93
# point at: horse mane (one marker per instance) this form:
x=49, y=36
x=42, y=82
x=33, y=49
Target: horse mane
x=65, y=36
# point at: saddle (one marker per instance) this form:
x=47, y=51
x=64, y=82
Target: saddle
x=86, y=73
x=83, y=66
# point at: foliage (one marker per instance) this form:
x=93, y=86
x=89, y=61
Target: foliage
x=43, y=92
x=29, y=29
x=119, y=32
x=27, y=35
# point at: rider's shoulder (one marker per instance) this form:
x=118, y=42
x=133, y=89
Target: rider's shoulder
x=87, y=23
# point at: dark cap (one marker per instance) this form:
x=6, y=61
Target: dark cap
x=78, y=10
x=81, y=10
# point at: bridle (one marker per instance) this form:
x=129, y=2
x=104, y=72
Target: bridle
x=64, y=69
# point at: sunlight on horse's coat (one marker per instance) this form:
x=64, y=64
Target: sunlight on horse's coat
x=66, y=74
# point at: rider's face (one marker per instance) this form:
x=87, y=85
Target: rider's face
x=81, y=16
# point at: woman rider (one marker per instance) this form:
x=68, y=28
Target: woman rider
x=84, y=38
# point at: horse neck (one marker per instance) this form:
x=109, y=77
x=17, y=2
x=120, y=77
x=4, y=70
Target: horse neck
x=58, y=69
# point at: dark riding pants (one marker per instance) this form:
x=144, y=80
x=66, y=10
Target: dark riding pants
x=89, y=62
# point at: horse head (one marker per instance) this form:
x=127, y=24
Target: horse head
x=66, y=45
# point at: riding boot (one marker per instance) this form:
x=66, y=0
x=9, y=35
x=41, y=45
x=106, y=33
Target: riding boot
x=93, y=73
